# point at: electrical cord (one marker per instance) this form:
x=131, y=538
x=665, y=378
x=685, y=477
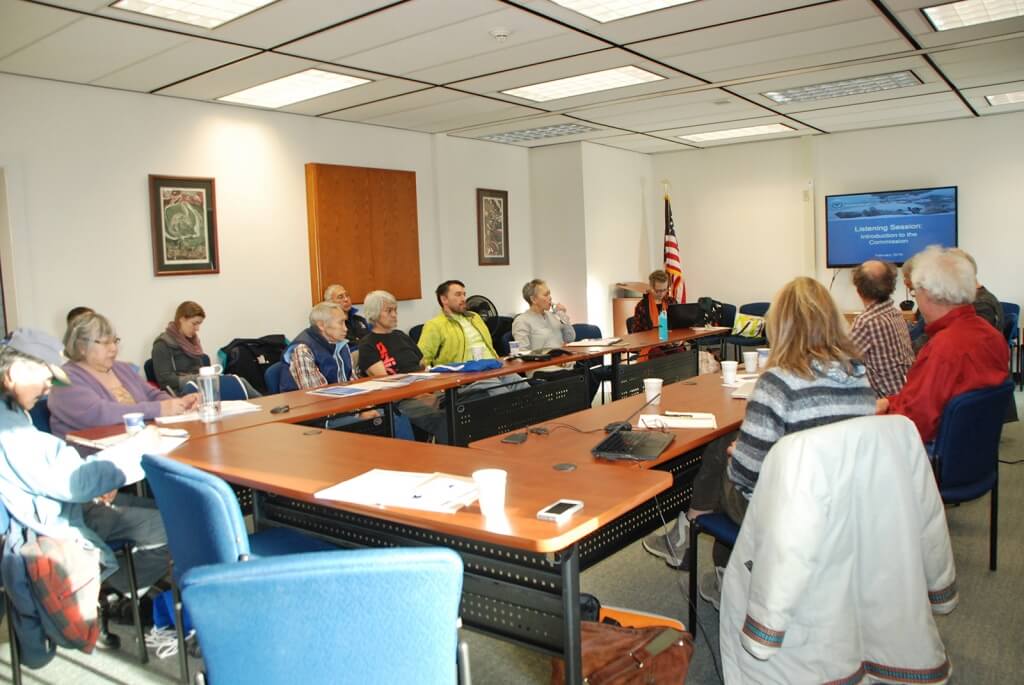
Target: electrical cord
x=1011, y=463
x=164, y=641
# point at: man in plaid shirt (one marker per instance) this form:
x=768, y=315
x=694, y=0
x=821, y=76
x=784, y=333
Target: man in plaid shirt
x=880, y=331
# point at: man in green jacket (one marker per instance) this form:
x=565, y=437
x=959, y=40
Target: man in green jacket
x=449, y=338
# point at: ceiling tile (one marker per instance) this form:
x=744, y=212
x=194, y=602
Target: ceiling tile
x=976, y=96
x=895, y=112
x=981, y=65
x=383, y=88
x=23, y=24
x=644, y=144
x=535, y=123
x=909, y=14
x=671, y=111
x=673, y=134
x=192, y=56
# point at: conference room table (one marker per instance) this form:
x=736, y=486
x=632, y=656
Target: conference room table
x=521, y=579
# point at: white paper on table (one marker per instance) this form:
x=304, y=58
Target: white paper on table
x=594, y=342
x=427, y=491
x=227, y=408
x=691, y=420
x=744, y=391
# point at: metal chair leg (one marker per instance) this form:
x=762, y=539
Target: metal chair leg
x=129, y=550
x=179, y=627
x=13, y=637
x=993, y=534
x=694, y=532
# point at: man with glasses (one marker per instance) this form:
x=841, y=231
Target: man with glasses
x=655, y=300
x=356, y=325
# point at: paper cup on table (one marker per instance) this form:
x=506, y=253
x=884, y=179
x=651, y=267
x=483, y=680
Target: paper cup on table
x=134, y=422
x=477, y=352
x=491, y=483
x=750, y=361
x=729, y=372
x=762, y=357
x=652, y=388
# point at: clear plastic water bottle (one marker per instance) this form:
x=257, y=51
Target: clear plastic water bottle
x=209, y=393
x=663, y=325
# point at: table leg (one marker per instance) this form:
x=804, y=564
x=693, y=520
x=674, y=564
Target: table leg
x=616, y=390
x=389, y=418
x=450, y=397
x=572, y=646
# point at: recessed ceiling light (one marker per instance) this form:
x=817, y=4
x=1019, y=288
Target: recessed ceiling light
x=737, y=133
x=205, y=13
x=1006, y=98
x=584, y=83
x=955, y=15
x=610, y=10
x=838, y=89
x=295, y=88
x=540, y=133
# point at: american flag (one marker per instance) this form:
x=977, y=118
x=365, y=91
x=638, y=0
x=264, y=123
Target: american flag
x=674, y=267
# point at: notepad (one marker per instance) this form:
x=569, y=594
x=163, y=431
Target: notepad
x=440, y=492
x=342, y=390
x=680, y=420
x=227, y=408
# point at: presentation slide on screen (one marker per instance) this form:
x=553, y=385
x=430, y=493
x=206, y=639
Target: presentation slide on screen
x=891, y=225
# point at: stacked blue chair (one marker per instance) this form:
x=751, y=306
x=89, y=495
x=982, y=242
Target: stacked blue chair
x=738, y=341
x=358, y=616
x=204, y=526
x=966, y=451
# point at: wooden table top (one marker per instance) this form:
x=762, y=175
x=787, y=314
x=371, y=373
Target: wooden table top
x=700, y=394
x=297, y=461
x=635, y=342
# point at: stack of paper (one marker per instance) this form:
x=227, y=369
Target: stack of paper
x=439, y=492
x=695, y=419
x=227, y=408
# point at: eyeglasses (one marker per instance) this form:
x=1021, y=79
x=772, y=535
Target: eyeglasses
x=108, y=341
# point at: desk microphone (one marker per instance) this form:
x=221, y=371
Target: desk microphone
x=627, y=425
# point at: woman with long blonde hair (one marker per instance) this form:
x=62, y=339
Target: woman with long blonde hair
x=813, y=378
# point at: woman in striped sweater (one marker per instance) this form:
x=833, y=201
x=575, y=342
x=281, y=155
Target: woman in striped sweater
x=813, y=378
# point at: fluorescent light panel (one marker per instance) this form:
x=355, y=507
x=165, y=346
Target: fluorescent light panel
x=737, y=133
x=955, y=15
x=838, y=89
x=540, y=133
x=1006, y=98
x=610, y=10
x=295, y=88
x=593, y=82
x=208, y=14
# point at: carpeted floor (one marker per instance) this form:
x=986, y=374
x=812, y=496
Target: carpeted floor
x=982, y=636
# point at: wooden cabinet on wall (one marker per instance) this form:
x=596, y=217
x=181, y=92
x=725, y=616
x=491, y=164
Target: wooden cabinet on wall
x=363, y=231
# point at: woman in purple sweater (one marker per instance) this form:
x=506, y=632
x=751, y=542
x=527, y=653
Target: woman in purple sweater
x=103, y=389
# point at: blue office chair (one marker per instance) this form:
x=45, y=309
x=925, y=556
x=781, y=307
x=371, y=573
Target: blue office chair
x=40, y=413
x=415, y=332
x=599, y=371
x=719, y=526
x=204, y=526
x=147, y=368
x=738, y=341
x=1011, y=329
x=506, y=338
x=966, y=451
x=231, y=388
x=361, y=616
x=272, y=377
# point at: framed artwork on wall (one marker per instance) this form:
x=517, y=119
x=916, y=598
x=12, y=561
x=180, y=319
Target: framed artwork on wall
x=492, y=226
x=184, y=224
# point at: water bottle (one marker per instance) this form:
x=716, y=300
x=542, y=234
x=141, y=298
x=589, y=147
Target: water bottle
x=209, y=393
x=663, y=325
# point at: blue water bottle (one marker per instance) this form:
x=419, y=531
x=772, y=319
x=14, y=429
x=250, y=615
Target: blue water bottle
x=663, y=325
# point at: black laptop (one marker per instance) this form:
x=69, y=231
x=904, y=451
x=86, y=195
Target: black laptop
x=633, y=445
x=685, y=316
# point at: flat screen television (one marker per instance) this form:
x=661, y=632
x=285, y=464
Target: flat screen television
x=892, y=225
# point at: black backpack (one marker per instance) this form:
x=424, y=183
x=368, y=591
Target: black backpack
x=712, y=310
x=251, y=357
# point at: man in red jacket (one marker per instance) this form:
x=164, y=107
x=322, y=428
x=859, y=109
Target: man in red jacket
x=963, y=351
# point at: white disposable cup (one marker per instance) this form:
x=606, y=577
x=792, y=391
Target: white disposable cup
x=477, y=351
x=491, y=483
x=750, y=361
x=762, y=357
x=513, y=348
x=134, y=422
x=729, y=371
x=652, y=388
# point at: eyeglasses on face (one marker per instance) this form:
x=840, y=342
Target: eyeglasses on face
x=108, y=341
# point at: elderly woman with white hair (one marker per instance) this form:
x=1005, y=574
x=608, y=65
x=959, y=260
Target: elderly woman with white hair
x=102, y=388
x=963, y=351
x=543, y=324
x=386, y=351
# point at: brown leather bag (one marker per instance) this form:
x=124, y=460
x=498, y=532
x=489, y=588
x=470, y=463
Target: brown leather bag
x=614, y=655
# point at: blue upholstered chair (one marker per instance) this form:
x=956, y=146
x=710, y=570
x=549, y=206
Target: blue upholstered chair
x=719, y=526
x=360, y=616
x=598, y=369
x=506, y=338
x=204, y=526
x=150, y=371
x=272, y=377
x=415, y=332
x=40, y=414
x=738, y=341
x=966, y=451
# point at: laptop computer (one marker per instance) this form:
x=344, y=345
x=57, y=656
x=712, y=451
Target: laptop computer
x=685, y=316
x=633, y=445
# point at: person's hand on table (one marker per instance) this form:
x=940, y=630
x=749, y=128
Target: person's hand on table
x=179, y=405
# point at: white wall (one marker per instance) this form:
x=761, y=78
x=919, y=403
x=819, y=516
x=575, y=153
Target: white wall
x=75, y=160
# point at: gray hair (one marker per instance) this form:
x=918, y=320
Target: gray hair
x=945, y=274
x=8, y=358
x=374, y=303
x=530, y=289
x=330, y=290
x=966, y=255
x=82, y=331
x=324, y=312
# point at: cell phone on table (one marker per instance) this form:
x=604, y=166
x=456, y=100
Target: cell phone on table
x=560, y=510
x=515, y=438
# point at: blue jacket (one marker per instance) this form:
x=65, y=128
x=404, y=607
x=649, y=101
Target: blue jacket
x=330, y=357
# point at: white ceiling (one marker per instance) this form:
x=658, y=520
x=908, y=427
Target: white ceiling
x=435, y=66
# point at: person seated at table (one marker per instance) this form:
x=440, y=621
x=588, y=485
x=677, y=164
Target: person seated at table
x=813, y=378
x=986, y=305
x=963, y=351
x=48, y=487
x=320, y=354
x=356, y=325
x=879, y=332
x=386, y=351
x=544, y=324
x=655, y=300
x=177, y=353
x=104, y=389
